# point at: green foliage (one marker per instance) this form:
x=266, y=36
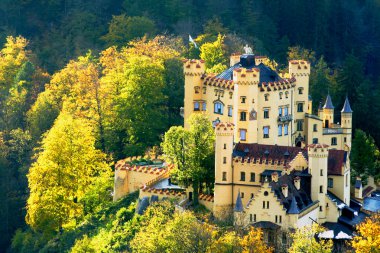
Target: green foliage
x=214, y=55
x=191, y=150
x=365, y=157
x=64, y=172
x=123, y=29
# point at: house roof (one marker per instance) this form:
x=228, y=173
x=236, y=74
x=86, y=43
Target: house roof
x=336, y=231
x=328, y=103
x=285, y=154
x=293, y=209
x=346, y=107
x=339, y=203
x=248, y=61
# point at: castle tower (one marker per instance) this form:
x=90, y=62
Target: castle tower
x=328, y=113
x=300, y=70
x=318, y=157
x=223, y=196
x=193, y=70
x=245, y=100
x=346, y=122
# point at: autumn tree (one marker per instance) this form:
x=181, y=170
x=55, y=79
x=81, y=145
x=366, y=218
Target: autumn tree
x=305, y=240
x=191, y=150
x=214, y=55
x=253, y=242
x=66, y=166
x=367, y=238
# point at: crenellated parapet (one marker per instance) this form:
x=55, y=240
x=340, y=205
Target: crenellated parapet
x=194, y=67
x=243, y=76
x=299, y=68
x=211, y=80
x=284, y=84
x=224, y=129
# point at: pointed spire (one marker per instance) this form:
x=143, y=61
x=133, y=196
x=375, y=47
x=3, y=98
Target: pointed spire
x=239, y=203
x=328, y=103
x=346, y=107
x=293, y=209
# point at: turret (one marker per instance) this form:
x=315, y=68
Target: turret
x=245, y=109
x=328, y=113
x=193, y=70
x=318, y=157
x=239, y=211
x=223, y=170
x=346, y=123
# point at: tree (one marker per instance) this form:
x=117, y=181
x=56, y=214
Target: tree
x=304, y=240
x=319, y=82
x=364, y=156
x=66, y=166
x=190, y=150
x=214, y=55
x=123, y=29
x=367, y=238
x=253, y=242
x=299, y=53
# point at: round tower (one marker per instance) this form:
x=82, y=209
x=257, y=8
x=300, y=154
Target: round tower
x=245, y=108
x=328, y=113
x=223, y=198
x=193, y=70
x=318, y=157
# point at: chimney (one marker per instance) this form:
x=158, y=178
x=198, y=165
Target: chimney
x=275, y=177
x=358, y=188
x=284, y=188
x=297, y=182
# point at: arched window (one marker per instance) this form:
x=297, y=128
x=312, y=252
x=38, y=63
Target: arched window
x=266, y=97
x=280, y=94
x=218, y=107
x=287, y=94
x=300, y=91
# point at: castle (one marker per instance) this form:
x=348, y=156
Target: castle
x=277, y=166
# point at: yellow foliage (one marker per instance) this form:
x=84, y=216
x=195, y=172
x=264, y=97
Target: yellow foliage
x=304, y=241
x=368, y=235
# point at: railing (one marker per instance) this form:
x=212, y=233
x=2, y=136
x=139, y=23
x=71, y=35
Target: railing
x=285, y=118
x=164, y=175
x=332, y=130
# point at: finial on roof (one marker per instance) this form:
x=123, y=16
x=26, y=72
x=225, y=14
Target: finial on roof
x=346, y=107
x=239, y=204
x=328, y=103
x=248, y=50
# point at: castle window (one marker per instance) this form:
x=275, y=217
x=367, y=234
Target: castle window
x=280, y=95
x=330, y=183
x=204, y=90
x=242, y=195
x=279, y=130
x=286, y=94
x=224, y=146
x=229, y=111
x=253, y=177
x=243, y=116
x=266, y=132
x=345, y=139
x=218, y=108
x=346, y=180
x=196, y=89
x=224, y=176
x=315, y=140
x=321, y=189
x=203, y=106
x=300, y=91
x=267, y=204
x=221, y=92
x=263, y=204
x=286, y=128
x=250, y=217
x=333, y=141
x=242, y=176
x=286, y=111
x=300, y=107
x=254, y=218
x=275, y=220
x=243, y=133
x=299, y=125
x=266, y=97
x=266, y=113
x=320, y=208
x=315, y=127
x=224, y=160
x=251, y=195
x=266, y=193
x=321, y=172
x=242, y=99
x=280, y=218
x=196, y=106
x=231, y=95
x=280, y=111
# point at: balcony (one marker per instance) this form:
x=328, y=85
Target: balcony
x=332, y=130
x=285, y=118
